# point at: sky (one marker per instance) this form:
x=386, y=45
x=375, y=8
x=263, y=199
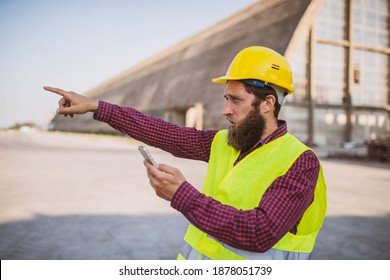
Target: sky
x=79, y=44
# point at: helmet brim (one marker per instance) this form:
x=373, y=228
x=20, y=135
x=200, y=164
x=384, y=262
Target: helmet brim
x=220, y=80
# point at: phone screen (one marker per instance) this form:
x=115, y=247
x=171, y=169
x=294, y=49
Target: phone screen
x=145, y=153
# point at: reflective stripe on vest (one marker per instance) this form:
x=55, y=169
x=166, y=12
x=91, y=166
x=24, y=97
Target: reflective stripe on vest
x=189, y=253
x=230, y=184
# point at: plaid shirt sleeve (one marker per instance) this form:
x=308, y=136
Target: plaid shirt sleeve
x=184, y=142
x=278, y=212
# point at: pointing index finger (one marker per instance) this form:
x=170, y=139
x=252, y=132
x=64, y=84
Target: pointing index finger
x=56, y=90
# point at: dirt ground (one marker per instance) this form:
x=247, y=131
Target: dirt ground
x=75, y=197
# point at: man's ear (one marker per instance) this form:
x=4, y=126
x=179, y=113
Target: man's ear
x=268, y=105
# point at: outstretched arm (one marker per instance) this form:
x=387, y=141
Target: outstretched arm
x=180, y=141
x=72, y=103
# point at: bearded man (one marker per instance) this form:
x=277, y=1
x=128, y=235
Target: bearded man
x=264, y=195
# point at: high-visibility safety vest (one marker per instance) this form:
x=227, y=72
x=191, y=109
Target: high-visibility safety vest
x=242, y=186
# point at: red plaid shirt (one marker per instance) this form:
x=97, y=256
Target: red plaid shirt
x=279, y=210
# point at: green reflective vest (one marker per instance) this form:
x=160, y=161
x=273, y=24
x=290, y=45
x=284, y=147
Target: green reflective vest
x=243, y=185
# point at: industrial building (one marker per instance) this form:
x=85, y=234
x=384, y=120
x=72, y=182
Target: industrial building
x=338, y=49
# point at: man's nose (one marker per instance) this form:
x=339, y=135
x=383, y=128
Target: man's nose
x=227, y=111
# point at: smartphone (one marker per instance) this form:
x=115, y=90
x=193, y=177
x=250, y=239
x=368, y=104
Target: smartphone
x=147, y=155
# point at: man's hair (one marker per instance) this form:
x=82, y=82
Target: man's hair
x=260, y=95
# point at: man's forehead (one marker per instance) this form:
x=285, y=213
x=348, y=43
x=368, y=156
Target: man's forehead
x=234, y=88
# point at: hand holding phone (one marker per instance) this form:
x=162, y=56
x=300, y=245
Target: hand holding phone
x=165, y=179
x=147, y=155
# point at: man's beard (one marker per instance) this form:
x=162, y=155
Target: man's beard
x=248, y=132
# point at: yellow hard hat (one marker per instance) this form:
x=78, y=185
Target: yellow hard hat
x=262, y=64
